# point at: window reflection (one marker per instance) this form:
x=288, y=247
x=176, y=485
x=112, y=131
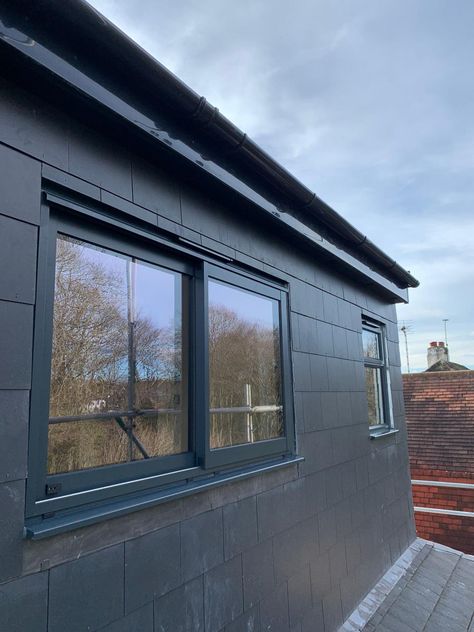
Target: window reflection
x=370, y=341
x=374, y=395
x=244, y=367
x=118, y=376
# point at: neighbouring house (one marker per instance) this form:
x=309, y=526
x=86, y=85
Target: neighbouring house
x=201, y=402
x=439, y=407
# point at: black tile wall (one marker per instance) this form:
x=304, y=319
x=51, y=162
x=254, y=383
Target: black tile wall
x=20, y=183
x=13, y=446
x=152, y=566
x=88, y=593
x=24, y=604
x=289, y=551
x=17, y=260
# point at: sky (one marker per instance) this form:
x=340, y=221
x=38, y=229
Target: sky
x=370, y=103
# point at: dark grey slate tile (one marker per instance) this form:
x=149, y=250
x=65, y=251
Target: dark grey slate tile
x=353, y=554
x=295, y=331
x=100, y=161
x=319, y=373
x=293, y=548
x=31, y=125
x=258, y=575
x=24, y=604
x=16, y=325
x=344, y=314
x=348, y=475
x=329, y=409
x=223, y=598
x=313, y=621
x=351, y=594
x=274, y=610
x=317, y=449
x=325, y=339
x=301, y=371
x=247, y=622
x=87, y=593
x=299, y=595
x=340, y=342
x=240, y=526
x=344, y=407
x=271, y=518
x=152, y=566
x=155, y=190
x=139, y=621
x=337, y=562
x=181, y=610
x=308, y=334
x=354, y=345
x=333, y=482
x=202, y=543
x=14, y=407
x=12, y=517
x=327, y=529
x=312, y=411
x=391, y=623
x=17, y=260
x=343, y=518
x=315, y=493
x=330, y=311
x=332, y=609
x=320, y=576
x=20, y=183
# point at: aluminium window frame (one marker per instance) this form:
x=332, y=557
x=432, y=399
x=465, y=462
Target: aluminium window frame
x=114, y=483
x=381, y=363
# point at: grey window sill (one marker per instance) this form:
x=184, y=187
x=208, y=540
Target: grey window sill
x=61, y=523
x=383, y=433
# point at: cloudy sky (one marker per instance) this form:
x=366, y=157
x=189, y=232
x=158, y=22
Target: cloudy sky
x=370, y=103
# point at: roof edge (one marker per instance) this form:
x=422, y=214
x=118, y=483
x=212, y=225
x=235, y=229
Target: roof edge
x=209, y=122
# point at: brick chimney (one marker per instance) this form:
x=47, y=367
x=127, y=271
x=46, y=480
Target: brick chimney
x=437, y=351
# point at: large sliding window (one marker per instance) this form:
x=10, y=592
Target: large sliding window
x=152, y=365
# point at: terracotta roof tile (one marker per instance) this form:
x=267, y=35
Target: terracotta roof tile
x=440, y=418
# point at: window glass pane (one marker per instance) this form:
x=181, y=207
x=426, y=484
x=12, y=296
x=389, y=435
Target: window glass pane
x=117, y=350
x=371, y=341
x=244, y=366
x=373, y=379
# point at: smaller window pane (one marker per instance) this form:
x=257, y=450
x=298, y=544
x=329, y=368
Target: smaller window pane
x=244, y=367
x=119, y=332
x=373, y=379
x=371, y=341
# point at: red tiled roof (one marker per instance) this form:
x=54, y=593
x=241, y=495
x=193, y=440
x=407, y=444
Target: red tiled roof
x=439, y=410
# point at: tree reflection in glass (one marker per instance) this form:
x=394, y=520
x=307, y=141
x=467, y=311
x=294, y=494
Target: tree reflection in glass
x=117, y=350
x=244, y=366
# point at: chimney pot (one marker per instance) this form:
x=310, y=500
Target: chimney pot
x=437, y=351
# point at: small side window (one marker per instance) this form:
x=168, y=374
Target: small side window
x=376, y=377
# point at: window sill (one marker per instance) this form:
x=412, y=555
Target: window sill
x=379, y=434
x=88, y=516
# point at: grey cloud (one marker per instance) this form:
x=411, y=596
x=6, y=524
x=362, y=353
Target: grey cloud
x=369, y=103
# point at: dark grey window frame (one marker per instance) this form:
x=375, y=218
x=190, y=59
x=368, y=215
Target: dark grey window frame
x=381, y=363
x=86, y=489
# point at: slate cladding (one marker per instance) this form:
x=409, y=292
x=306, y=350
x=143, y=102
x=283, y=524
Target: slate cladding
x=294, y=549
